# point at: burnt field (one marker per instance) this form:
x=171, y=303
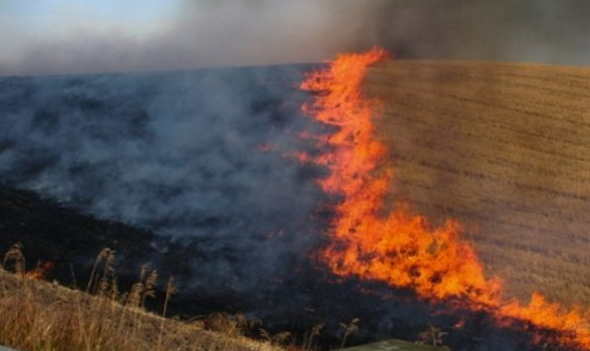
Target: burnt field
x=505, y=149
x=194, y=172
x=305, y=296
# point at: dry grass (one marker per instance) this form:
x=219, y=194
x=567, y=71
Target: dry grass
x=505, y=148
x=40, y=316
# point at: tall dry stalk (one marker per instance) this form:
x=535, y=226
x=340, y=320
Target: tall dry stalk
x=315, y=331
x=349, y=329
x=15, y=256
x=103, y=254
x=171, y=290
x=36, y=315
x=150, y=287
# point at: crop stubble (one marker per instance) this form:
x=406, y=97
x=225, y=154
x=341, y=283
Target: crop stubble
x=505, y=149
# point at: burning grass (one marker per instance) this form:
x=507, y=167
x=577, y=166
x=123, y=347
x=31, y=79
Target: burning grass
x=399, y=247
x=37, y=315
x=502, y=147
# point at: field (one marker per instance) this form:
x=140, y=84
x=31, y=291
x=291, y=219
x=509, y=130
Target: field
x=504, y=148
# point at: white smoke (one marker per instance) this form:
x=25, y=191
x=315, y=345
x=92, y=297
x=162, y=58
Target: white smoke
x=185, y=155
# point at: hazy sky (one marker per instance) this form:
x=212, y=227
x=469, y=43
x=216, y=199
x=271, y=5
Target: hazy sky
x=54, y=19
x=68, y=36
x=53, y=36
x=30, y=25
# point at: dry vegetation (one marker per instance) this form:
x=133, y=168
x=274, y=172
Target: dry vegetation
x=505, y=148
x=40, y=316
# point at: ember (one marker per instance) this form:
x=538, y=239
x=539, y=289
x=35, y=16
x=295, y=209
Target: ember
x=41, y=271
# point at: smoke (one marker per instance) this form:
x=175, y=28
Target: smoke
x=202, y=33
x=262, y=32
x=198, y=157
x=544, y=31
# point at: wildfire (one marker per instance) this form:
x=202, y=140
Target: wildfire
x=401, y=248
x=41, y=271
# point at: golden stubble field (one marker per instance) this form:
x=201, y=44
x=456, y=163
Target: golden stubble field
x=504, y=148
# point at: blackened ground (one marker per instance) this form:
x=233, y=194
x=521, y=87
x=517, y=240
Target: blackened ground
x=306, y=296
x=71, y=240
x=200, y=158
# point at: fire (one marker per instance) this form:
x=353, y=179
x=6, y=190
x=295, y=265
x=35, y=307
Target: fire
x=399, y=247
x=41, y=271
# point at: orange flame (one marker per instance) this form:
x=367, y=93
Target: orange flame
x=41, y=271
x=401, y=248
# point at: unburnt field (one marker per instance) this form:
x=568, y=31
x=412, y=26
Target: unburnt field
x=505, y=149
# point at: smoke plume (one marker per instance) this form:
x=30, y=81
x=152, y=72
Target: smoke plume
x=262, y=32
x=198, y=157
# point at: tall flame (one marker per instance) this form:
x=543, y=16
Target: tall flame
x=400, y=248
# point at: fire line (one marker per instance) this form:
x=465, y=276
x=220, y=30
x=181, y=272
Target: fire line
x=401, y=248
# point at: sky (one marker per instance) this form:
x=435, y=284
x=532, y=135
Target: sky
x=69, y=36
x=79, y=36
x=29, y=24
x=54, y=19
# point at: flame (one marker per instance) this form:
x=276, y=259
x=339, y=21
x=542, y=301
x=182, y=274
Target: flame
x=41, y=271
x=399, y=247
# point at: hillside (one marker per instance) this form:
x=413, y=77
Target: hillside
x=504, y=148
x=50, y=232
x=37, y=315
x=55, y=233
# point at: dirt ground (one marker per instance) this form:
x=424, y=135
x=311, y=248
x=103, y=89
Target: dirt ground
x=504, y=148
